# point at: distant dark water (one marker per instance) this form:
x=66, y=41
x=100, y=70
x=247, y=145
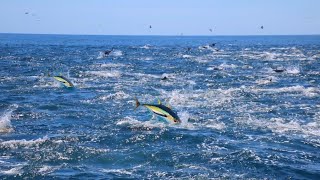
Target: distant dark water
x=240, y=118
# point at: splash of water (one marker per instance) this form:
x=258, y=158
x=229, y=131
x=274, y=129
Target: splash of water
x=293, y=70
x=5, y=120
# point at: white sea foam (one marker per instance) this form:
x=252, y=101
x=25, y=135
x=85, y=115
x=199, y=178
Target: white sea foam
x=316, y=56
x=200, y=59
x=148, y=58
x=45, y=82
x=117, y=96
x=5, y=120
x=282, y=126
x=13, y=144
x=105, y=74
x=196, y=167
x=227, y=66
x=116, y=53
x=281, y=48
x=134, y=123
x=180, y=97
x=277, y=54
x=186, y=56
x=270, y=55
x=112, y=65
x=101, y=55
x=215, y=124
x=293, y=70
x=13, y=171
x=309, y=91
x=185, y=124
x=196, y=98
x=147, y=46
x=142, y=75
x=48, y=169
x=117, y=171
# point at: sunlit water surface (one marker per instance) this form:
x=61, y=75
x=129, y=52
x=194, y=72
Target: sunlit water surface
x=240, y=118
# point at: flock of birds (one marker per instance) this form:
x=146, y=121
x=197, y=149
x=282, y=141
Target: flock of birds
x=150, y=26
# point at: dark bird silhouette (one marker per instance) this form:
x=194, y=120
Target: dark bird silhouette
x=261, y=27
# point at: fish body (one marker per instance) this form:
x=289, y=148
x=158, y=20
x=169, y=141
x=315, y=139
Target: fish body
x=64, y=81
x=161, y=110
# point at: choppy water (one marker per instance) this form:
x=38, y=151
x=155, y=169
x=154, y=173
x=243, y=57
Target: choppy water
x=240, y=118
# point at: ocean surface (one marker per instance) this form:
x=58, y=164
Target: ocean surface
x=240, y=118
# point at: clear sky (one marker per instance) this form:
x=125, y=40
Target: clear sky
x=167, y=17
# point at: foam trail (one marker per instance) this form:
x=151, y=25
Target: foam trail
x=13, y=171
x=137, y=124
x=116, y=53
x=5, y=120
x=147, y=46
x=184, y=117
x=104, y=74
x=101, y=55
x=186, y=56
x=293, y=70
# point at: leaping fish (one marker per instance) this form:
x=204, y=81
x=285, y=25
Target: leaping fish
x=63, y=80
x=161, y=110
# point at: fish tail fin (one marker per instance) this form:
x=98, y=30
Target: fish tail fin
x=137, y=103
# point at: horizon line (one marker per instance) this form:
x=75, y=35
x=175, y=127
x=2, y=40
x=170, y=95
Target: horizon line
x=177, y=35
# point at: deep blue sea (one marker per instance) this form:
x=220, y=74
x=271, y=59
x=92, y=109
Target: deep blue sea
x=240, y=118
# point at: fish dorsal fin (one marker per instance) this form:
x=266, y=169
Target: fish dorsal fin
x=159, y=102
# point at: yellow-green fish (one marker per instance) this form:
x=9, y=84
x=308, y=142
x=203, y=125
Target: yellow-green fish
x=161, y=110
x=63, y=80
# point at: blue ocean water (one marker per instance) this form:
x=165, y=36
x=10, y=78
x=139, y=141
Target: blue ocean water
x=240, y=118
